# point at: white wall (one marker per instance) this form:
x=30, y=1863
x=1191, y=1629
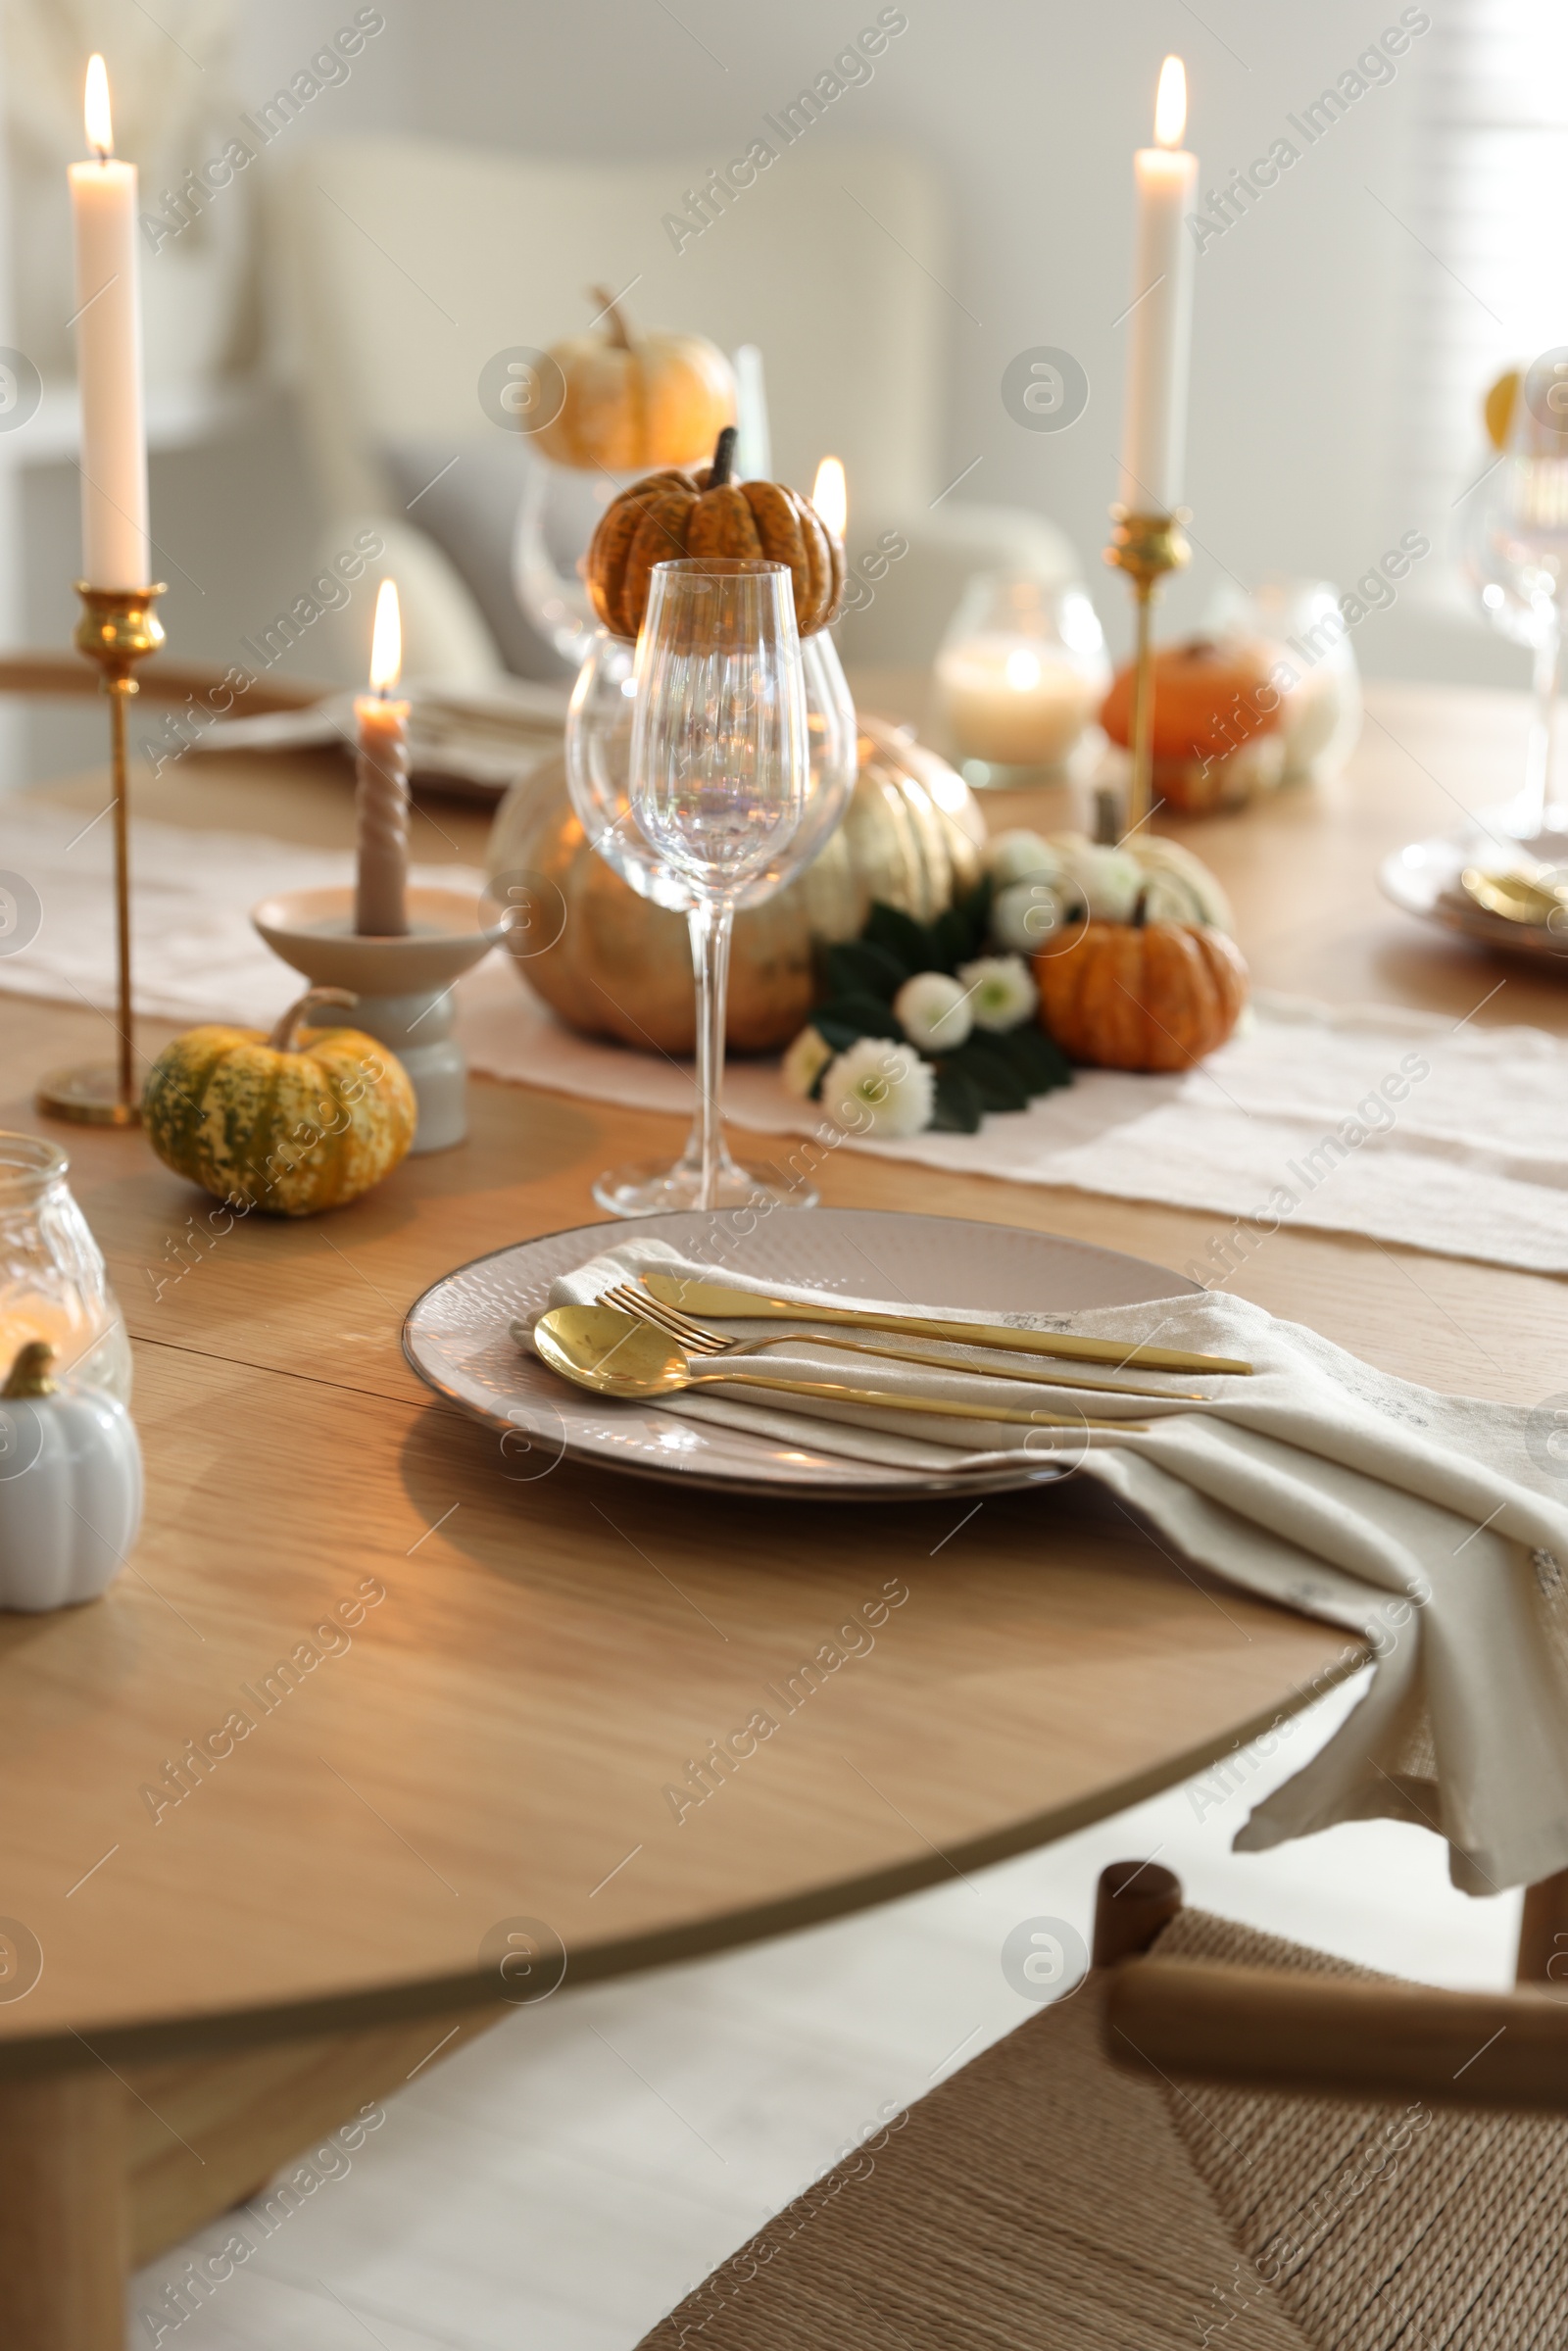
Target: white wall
x=1030, y=109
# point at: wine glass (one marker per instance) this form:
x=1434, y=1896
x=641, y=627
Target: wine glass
x=1516, y=552
x=599, y=739
x=720, y=767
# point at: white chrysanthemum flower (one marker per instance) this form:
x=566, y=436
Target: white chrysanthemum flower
x=1109, y=879
x=933, y=1012
x=879, y=1088
x=1030, y=916
x=805, y=1062
x=1001, y=991
x=1021, y=856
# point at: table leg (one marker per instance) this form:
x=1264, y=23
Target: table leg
x=62, y=2212
x=1544, y=1933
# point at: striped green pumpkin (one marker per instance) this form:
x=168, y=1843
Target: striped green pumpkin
x=289, y=1124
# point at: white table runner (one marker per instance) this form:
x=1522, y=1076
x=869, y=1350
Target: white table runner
x=1393, y=1124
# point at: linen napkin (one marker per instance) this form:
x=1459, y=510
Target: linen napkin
x=1432, y=1526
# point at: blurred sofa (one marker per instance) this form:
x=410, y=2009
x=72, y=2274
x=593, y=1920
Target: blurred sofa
x=396, y=269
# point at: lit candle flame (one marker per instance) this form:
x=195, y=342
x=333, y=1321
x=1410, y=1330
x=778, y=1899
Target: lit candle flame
x=830, y=494
x=1170, y=104
x=386, y=640
x=95, y=109
x=1021, y=669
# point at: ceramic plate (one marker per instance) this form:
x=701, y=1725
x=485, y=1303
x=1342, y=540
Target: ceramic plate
x=457, y=1338
x=1424, y=879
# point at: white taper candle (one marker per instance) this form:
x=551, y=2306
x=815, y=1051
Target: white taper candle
x=115, y=547
x=1160, y=320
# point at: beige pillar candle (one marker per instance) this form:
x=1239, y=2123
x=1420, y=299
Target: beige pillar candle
x=115, y=548
x=382, y=800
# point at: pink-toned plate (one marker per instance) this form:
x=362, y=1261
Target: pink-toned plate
x=457, y=1338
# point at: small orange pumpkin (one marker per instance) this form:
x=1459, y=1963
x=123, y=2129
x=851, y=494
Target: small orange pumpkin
x=1217, y=727
x=1141, y=995
x=673, y=513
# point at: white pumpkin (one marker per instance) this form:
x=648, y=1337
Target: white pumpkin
x=1106, y=883
x=71, y=1488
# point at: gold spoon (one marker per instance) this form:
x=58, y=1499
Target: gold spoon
x=615, y=1354
x=1517, y=897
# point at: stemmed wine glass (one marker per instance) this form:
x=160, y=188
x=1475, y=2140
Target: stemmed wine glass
x=719, y=774
x=1516, y=551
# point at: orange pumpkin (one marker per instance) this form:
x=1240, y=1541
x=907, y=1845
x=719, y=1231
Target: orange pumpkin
x=1141, y=995
x=634, y=399
x=1217, y=723
x=673, y=513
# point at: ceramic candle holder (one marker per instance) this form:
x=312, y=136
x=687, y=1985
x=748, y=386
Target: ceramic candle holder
x=405, y=986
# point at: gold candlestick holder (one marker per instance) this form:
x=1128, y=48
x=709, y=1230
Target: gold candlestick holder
x=1145, y=547
x=118, y=629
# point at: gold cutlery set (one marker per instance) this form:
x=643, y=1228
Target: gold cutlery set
x=1537, y=897
x=638, y=1342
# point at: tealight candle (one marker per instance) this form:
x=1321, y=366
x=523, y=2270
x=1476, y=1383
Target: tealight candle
x=381, y=797
x=1008, y=702
x=114, y=544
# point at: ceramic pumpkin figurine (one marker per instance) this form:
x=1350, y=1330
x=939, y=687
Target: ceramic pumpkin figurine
x=70, y=1498
x=672, y=514
x=635, y=400
x=289, y=1123
x=913, y=836
x=1141, y=995
x=1218, y=723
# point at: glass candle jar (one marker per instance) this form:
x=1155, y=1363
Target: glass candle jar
x=1020, y=673
x=53, y=1282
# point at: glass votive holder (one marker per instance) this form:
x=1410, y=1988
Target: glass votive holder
x=1303, y=621
x=53, y=1282
x=1020, y=675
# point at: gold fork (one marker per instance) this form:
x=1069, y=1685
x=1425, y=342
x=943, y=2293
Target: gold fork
x=699, y=1339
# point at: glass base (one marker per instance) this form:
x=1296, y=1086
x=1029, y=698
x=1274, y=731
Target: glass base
x=642, y=1190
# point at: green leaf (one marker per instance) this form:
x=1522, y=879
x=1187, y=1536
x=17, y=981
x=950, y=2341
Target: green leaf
x=899, y=936
x=859, y=967
x=960, y=933
x=956, y=1108
x=1033, y=1057
x=845, y=1019
x=991, y=1074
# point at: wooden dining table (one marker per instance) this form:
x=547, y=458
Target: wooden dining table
x=500, y=1663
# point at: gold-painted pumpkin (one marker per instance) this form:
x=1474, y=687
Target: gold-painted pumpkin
x=289, y=1123
x=1141, y=995
x=634, y=399
x=670, y=515
x=911, y=836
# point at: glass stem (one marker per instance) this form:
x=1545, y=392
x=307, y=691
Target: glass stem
x=711, y=926
x=1538, y=796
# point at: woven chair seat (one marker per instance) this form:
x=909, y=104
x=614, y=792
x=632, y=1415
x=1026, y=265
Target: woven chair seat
x=1042, y=2200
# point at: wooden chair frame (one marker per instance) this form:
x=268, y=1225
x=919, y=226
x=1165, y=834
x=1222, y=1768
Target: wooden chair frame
x=1327, y=2035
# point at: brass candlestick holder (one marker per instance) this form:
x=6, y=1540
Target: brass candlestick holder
x=1145, y=547
x=118, y=629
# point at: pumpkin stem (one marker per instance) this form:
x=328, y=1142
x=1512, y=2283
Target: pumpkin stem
x=29, y=1374
x=1141, y=909
x=723, y=457
x=285, y=1039
x=610, y=311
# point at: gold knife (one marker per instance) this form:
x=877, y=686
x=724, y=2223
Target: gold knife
x=712, y=1297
